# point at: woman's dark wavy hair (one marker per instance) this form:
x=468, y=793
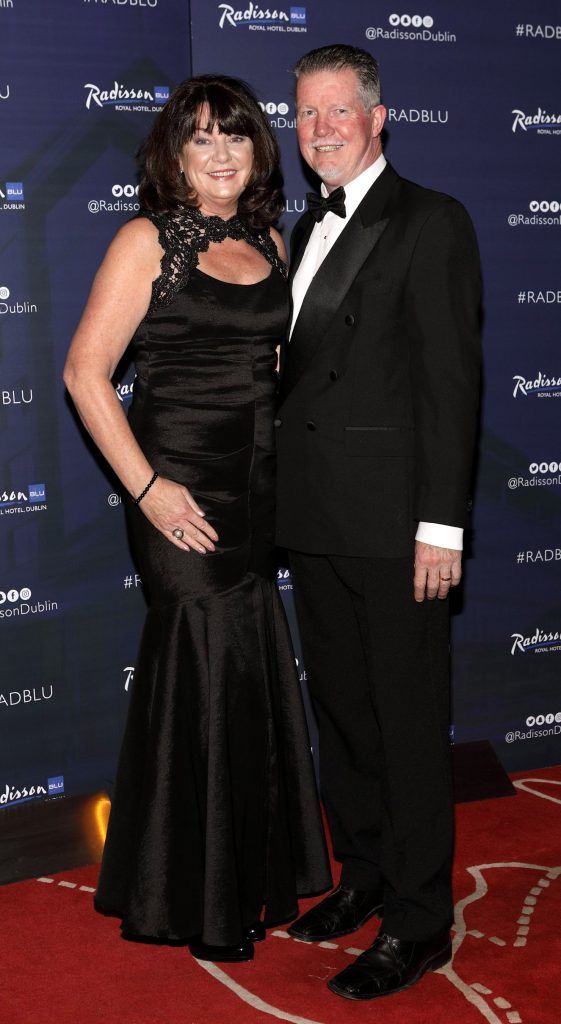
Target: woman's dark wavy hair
x=233, y=107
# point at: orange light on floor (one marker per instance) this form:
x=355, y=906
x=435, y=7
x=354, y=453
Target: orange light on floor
x=94, y=816
x=101, y=814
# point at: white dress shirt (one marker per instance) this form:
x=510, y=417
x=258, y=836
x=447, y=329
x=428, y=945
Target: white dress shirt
x=323, y=237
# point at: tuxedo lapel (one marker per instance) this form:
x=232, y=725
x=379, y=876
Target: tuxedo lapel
x=298, y=243
x=335, y=276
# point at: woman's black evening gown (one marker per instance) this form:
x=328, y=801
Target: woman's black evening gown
x=215, y=813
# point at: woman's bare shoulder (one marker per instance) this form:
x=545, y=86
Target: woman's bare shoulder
x=140, y=234
x=137, y=245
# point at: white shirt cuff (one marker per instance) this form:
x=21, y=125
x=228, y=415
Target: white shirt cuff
x=441, y=536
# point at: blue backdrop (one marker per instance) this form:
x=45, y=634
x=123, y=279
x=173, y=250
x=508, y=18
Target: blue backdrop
x=474, y=110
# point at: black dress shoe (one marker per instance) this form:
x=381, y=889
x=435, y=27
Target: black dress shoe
x=255, y=933
x=222, y=954
x=344, y=910
x=390, y=965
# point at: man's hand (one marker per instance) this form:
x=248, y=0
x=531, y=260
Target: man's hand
x=436, y=570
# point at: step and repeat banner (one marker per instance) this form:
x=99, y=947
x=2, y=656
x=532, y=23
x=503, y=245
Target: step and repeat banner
x=474, y=109
x=80, y=84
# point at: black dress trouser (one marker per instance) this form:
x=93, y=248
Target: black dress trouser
x=378, y=673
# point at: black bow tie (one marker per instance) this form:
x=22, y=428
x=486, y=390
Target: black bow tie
x=335, y=203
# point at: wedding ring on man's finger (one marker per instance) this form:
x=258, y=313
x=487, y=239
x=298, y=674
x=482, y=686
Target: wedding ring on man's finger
x=177, y=533
x=443, y=579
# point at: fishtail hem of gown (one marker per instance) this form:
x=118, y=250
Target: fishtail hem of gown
x=215, y=811
x=167, y=937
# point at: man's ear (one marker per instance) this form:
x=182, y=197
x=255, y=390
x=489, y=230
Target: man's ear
x=379, y=113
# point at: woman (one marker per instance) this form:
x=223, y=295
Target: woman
x=215, y=817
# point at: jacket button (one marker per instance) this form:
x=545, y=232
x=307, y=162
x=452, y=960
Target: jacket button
x=277, y=423
x=311, y=425
x=349, y=319
x=333, y=375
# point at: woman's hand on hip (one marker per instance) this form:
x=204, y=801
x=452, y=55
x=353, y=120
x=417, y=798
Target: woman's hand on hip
x=170, y=507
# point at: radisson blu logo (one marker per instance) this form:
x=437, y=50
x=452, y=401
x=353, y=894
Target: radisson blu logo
x=265, y=19
x=124, y=97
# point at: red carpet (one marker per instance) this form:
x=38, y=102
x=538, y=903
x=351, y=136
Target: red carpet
x=64, y=964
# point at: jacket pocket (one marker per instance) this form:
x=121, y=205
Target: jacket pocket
x=379, y=441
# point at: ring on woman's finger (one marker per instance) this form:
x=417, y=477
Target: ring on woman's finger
x=177, y=533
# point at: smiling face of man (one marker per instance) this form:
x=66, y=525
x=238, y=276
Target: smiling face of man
x=338, y=138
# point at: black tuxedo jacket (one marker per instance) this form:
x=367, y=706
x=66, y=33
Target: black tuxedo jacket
x=380, y=381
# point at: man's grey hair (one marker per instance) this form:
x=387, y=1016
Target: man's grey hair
x=338, y=57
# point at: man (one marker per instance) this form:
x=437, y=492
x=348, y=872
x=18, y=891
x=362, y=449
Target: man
x=375, y=436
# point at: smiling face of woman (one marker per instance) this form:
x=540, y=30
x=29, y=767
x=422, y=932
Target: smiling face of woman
x=217, y=166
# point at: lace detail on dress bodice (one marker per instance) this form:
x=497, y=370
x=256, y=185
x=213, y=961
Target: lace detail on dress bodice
x=186, y=232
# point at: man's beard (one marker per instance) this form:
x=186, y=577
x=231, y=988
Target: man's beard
x=328, y=173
